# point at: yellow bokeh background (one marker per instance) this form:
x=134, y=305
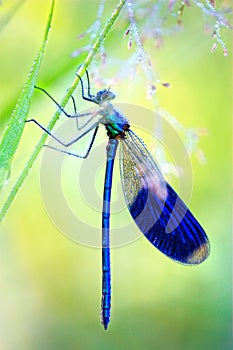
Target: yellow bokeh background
x=50, y=287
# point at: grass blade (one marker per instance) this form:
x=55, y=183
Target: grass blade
x=11, y=138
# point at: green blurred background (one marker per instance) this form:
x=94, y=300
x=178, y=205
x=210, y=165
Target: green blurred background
x=50, y=287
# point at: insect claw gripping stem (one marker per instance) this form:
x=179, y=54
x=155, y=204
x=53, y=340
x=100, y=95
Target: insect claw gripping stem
x=90, y=98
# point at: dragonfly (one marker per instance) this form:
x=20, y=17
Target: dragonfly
x=158, y=211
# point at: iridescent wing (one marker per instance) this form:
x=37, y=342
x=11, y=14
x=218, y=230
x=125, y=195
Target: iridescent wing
x=157, y=210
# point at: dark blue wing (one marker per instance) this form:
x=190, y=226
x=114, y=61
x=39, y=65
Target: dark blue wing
x=158, y=211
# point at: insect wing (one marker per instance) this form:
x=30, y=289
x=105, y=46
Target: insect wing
x=156, y=208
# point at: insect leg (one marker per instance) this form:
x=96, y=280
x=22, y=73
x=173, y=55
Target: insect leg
x=59, y=140
x=75, y=154
x=59, y=106
x=90, y=97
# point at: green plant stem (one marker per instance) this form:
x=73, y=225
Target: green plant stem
x=65, y=100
